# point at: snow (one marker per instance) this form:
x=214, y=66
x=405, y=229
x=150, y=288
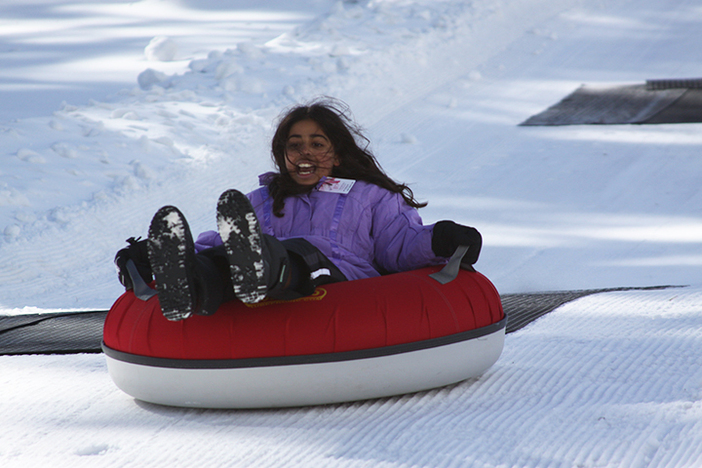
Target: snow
x=113, y=109
x=609, y=380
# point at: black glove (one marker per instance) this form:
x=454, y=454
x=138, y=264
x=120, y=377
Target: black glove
x=138, y=253
x=447, y=236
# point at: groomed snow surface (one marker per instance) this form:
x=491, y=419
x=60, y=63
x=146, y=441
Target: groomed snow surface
x=172, y=102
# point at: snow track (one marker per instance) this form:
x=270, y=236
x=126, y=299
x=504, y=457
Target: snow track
x=608, y=380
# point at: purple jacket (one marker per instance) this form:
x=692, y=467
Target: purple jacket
x=367, y=230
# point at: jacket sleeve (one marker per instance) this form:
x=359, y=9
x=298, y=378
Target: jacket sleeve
x=206, y=240
x=401, y=241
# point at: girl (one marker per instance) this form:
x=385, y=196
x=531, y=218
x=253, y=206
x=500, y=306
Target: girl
x=328, y=214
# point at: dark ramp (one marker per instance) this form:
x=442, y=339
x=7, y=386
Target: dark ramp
x=656, y=102
x=81, y=332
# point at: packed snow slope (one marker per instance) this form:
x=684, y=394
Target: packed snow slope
x=611, y=380
x=174, y=101
x=440, y=88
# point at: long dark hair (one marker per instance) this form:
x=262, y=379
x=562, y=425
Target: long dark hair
x=355, y=162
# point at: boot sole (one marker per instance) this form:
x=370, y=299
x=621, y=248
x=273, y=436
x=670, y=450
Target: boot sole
x=241, y=235
x=171, y=250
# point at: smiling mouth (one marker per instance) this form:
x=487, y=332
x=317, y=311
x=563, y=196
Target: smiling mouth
x=305, y=168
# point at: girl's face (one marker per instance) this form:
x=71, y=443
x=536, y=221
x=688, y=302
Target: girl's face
x=309, y=155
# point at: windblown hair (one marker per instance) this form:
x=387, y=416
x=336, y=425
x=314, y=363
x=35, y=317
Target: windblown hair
x=355, y=162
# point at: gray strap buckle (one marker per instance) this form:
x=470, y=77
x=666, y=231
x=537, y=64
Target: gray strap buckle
x=141, y=289
x=450, y=271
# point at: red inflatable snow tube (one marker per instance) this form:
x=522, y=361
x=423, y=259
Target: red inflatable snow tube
x=369, y=313
x=354, y=321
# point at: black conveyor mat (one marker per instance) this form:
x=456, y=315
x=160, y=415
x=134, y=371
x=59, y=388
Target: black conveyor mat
x=81, y=332
x=656, y=102
x=522, y=309
x=53, y=333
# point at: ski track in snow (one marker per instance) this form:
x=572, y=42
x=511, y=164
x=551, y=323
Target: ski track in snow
x=608, y=380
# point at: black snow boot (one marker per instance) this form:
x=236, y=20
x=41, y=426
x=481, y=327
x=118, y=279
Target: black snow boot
x=259, y=264
x=187, y=283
